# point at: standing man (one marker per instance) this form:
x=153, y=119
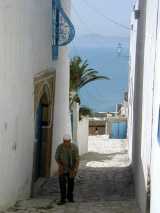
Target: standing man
x=67, y=158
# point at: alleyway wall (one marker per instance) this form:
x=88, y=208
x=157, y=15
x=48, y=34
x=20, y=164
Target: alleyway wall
x=25, y=41
x=144, y=105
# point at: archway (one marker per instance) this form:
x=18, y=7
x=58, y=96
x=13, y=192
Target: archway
x=42, y=122
x=43, y=135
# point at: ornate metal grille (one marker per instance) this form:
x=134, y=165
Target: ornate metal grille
x=63, y=31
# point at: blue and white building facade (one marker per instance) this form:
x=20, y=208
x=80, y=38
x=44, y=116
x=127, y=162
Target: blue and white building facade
x=62, y=35
x=33, y=38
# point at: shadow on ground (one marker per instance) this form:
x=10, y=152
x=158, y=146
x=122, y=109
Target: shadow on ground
x=104, y=175
x=97, y=180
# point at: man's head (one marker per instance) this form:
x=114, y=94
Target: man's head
x=67, y=139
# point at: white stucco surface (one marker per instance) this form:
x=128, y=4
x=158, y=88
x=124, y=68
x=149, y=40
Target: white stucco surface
x=148, y=83
x=61, y=123
x=75, y=120
x=135, y=101
x=25, y=41
x=83, y=133
x=144, y=105
x=131, y=81
x=155, y=165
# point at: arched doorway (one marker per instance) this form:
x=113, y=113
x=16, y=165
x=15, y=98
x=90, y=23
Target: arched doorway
x=44, y=106
x=42, y=127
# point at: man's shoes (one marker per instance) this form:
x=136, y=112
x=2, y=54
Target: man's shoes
x=62, y=202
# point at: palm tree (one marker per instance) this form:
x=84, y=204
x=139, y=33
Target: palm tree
x=80, y=75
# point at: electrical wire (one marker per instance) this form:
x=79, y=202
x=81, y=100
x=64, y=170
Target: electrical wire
x=99, y=99
x=108, y=19
x=87, y=27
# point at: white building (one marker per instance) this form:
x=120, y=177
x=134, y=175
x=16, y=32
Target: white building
x=144, y=101
x=34, y=92
x=80, y=130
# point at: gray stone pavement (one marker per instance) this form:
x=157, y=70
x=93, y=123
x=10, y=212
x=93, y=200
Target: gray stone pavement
x=48, y=206
x=104, y=183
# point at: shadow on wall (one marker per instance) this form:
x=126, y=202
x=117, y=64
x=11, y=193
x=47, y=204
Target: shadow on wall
x=142, y=190
x=158, y=135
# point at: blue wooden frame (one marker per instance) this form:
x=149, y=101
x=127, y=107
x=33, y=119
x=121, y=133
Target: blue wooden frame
x=55, y=30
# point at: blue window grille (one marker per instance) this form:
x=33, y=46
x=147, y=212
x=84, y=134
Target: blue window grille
x=63, y=31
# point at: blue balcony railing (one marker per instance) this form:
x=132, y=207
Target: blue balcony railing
x=63, y=31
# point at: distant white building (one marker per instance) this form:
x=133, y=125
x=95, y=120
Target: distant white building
x=34, y=91
x=122, y=109
x=144, y=103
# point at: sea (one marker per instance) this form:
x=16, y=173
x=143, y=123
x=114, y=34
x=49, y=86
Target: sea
x=103, y=95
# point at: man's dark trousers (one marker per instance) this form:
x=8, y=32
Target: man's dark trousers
x=66, y=187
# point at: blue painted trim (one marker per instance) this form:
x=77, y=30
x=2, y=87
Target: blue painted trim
x=56, y=4
x=55, y=30
x=71, y=26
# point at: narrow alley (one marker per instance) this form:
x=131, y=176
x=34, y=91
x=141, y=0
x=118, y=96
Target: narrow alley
x=104, y=183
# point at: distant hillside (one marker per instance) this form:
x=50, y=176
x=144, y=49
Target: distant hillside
x=95, y=40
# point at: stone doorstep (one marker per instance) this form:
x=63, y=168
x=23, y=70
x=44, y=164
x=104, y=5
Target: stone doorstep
x=48, y=205
x=43, y=203
x=40, y=203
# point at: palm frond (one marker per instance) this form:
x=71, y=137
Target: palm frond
x=81, y=74
x=91, y=79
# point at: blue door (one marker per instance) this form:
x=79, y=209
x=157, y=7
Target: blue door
x=38, y=131
x=119, y=130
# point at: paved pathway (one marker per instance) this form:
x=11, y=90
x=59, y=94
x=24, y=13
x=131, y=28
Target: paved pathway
x=104, y=183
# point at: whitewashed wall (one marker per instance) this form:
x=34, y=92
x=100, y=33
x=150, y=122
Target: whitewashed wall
x=131, y=82
x=147, y=95
x=135, y=101
x=75, y=118
x=132, y=61
x=155, y=165
x=83, y=133
x=148, y=83
x=25, y=49
x=143, y=129
x=62, y=120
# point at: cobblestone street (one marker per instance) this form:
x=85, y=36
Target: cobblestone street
x=104, y=184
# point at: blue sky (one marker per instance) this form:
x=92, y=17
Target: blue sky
x=88, y=16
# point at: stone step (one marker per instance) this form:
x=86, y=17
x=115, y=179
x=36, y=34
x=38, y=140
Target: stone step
x=49, y=205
